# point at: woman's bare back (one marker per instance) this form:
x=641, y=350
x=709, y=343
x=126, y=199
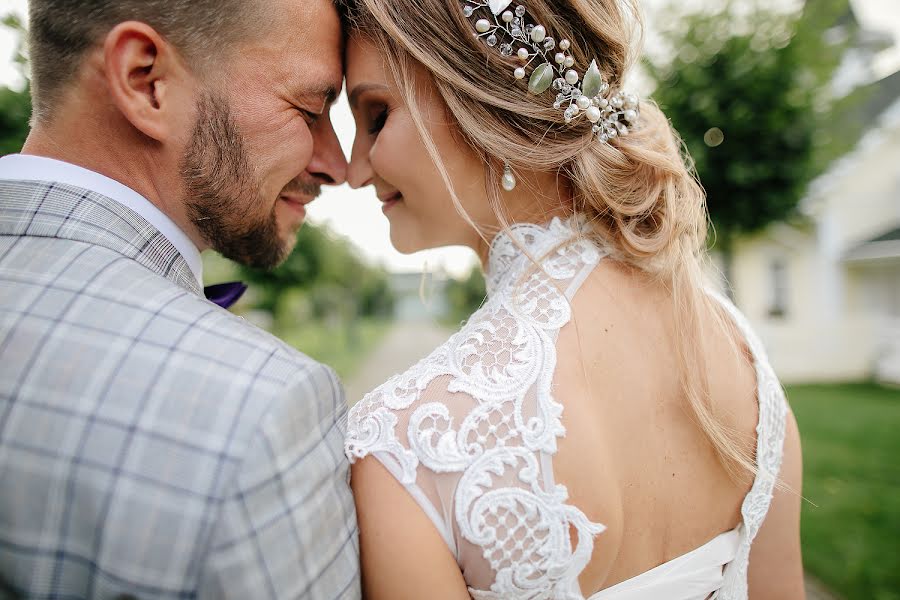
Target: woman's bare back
x=482, y=456
x=633, y=456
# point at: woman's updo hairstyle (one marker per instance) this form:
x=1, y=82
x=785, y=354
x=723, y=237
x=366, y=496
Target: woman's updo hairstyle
x=637, y=192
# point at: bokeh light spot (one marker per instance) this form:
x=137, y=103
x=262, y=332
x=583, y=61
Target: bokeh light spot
x=713, y=137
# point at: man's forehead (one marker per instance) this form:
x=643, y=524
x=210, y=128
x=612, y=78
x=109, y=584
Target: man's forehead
x=307, y=23
x=312, y=48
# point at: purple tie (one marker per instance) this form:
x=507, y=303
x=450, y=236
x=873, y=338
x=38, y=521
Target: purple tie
x=225, y=294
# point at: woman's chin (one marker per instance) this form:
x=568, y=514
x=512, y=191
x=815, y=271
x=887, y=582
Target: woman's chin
x=406, y=242
x=402, y=245
x=409, y=239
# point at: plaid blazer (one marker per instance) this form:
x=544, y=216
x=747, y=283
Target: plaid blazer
x=153, y=445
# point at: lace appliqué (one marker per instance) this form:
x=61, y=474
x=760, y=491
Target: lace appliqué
x=770, y=433
x=502, y=362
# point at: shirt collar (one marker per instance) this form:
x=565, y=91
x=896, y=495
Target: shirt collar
x=21, y=167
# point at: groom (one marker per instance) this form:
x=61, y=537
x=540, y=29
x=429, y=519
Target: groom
x=153, y=445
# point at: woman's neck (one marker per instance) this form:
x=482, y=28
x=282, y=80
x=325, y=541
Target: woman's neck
x=537, y=199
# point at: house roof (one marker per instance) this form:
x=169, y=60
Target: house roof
x=854, y=115
x=880, y=248
x=878, y=96
x=851, y=116
x=893, y=234
x=885, y=118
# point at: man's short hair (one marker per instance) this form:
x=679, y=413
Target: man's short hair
x=62, y=31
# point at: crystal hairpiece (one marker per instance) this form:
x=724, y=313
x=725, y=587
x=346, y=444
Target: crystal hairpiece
x=612, y=116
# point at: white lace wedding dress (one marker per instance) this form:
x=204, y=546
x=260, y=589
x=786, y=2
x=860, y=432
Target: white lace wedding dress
x=471, y=431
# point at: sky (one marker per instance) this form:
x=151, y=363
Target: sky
x=356, y=214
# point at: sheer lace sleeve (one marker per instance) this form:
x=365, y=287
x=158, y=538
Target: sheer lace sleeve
x=470, y=430
x=770, y=432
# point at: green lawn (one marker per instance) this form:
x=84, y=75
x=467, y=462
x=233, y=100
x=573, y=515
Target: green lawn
x=851, y=446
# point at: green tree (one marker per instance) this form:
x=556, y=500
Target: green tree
x=15, y=110
x=15, y=106
x=741, y=89
x=465, y=296
x=336, y=282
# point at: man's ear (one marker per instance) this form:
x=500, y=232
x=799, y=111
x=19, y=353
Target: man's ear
x=143, y=72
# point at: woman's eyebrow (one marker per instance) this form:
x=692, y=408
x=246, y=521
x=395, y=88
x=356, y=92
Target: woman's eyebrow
x=361, y=89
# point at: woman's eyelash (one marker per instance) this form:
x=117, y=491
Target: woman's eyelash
x=378, y=122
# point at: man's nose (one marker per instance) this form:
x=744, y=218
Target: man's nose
x=328, y=161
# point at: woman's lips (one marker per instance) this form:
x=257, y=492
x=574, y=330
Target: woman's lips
x=390, y=202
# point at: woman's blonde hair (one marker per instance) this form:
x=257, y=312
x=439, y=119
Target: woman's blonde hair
x=638, y=193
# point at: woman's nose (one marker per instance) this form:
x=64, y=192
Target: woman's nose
x=359, y=171
x=328, y=162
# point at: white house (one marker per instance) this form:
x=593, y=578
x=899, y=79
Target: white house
x=420, y=296
x=825, y=294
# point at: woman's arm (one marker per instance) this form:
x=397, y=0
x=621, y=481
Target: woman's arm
x=776, y=568
x=401, y=552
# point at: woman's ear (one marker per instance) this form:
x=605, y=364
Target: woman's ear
x=145, y=75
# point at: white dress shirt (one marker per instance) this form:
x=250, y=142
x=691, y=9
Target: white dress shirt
x=22, y=167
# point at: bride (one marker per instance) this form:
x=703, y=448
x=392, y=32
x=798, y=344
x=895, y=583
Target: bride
x=604, y=427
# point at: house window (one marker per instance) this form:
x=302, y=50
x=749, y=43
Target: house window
x=778, y=286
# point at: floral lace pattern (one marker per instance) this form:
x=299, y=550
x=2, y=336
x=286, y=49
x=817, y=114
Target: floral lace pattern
x=770, y=433
x=471, y=428
x=500, y=368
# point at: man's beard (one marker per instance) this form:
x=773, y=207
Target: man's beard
x=222, y=192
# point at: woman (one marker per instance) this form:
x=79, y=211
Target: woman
x=603, y=427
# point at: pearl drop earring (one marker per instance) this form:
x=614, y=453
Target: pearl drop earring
x=508, y=181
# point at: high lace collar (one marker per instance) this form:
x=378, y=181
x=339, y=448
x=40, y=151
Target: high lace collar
x=519, y=246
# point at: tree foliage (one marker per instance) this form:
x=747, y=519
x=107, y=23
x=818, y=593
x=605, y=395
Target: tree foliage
x=465, y=296
x=334, y=280
x=15, y=110
x=741, y=91
x=15, y=106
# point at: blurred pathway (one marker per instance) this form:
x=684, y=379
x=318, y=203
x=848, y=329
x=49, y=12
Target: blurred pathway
x=403, y=346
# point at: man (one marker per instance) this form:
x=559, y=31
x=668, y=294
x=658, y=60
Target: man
x=152, y=445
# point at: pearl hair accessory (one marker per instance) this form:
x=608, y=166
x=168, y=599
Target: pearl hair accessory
x=611, y=115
